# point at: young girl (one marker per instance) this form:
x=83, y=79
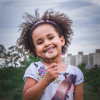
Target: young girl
x=50, y=79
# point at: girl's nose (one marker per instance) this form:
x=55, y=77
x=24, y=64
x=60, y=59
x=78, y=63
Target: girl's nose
x=47, y=43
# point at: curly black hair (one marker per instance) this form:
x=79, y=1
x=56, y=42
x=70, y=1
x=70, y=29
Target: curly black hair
x=62, y=20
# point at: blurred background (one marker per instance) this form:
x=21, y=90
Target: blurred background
x=85, y=15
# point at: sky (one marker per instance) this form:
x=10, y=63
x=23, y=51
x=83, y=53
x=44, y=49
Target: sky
x=85, y=15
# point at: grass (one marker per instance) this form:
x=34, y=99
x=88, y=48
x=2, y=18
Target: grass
x=11, y=94
x=88, y=94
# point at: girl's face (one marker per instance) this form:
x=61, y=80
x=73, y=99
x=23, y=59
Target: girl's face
x=46, y=39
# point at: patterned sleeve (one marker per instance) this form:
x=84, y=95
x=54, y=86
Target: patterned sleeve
x=80, y=77
x=31, y=72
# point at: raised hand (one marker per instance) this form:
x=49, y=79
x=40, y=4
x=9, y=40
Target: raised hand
x=51, y=73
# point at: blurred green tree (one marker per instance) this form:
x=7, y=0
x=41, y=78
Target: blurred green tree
x=92, y=77
x=2, y=51
x=82, y=67
x=11, y=73
x=6, y=80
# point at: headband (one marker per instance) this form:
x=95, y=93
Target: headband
x=41, y=21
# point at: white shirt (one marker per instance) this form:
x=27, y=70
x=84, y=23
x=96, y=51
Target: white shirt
x=60, y=89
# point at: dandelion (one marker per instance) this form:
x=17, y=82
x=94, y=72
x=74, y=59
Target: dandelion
x=48, y=55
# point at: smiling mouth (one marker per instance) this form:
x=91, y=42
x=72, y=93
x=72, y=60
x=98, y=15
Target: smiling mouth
x=49, y=50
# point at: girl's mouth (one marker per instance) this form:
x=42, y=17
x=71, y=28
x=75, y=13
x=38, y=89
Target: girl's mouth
x=49, y=50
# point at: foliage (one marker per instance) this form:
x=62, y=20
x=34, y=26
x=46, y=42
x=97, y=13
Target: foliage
x=13, y=56
x=17, y=97
x=92, y=78
x=10, y=79
x=11, y=75
x=2, y=51
x=82, y=67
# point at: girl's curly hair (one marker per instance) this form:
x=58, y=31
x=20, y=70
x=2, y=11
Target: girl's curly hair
x=62, y=20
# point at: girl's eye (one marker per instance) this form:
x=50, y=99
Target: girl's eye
x=51, y=38
x=39, y=43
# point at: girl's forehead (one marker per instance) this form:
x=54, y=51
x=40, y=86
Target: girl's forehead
x=44, y=29
x=42, y=26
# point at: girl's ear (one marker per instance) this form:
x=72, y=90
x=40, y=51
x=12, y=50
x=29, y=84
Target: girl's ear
x=62, y=40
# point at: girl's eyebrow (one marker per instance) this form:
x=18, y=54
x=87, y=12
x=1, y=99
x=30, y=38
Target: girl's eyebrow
x=49, y=34
x=38, y=40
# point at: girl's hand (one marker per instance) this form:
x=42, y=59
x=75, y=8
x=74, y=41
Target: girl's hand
x=51, y=73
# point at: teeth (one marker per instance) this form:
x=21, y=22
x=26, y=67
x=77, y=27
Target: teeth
x=50, y=49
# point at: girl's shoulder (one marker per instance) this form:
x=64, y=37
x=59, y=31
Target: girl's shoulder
x=74, y=69
x=35, y=65
x=77, y=72
x=32, y=70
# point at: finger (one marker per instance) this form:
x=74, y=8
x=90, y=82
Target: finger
x=56, y=72
x=52, y=70
x=55, y=69
x=53, y=65
x=56, y=75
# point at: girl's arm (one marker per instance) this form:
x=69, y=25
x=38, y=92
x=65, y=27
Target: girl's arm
x=33, y=90
x=78, y=94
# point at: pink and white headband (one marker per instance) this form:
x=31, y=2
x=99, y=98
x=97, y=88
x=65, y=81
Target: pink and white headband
x=41, y=21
